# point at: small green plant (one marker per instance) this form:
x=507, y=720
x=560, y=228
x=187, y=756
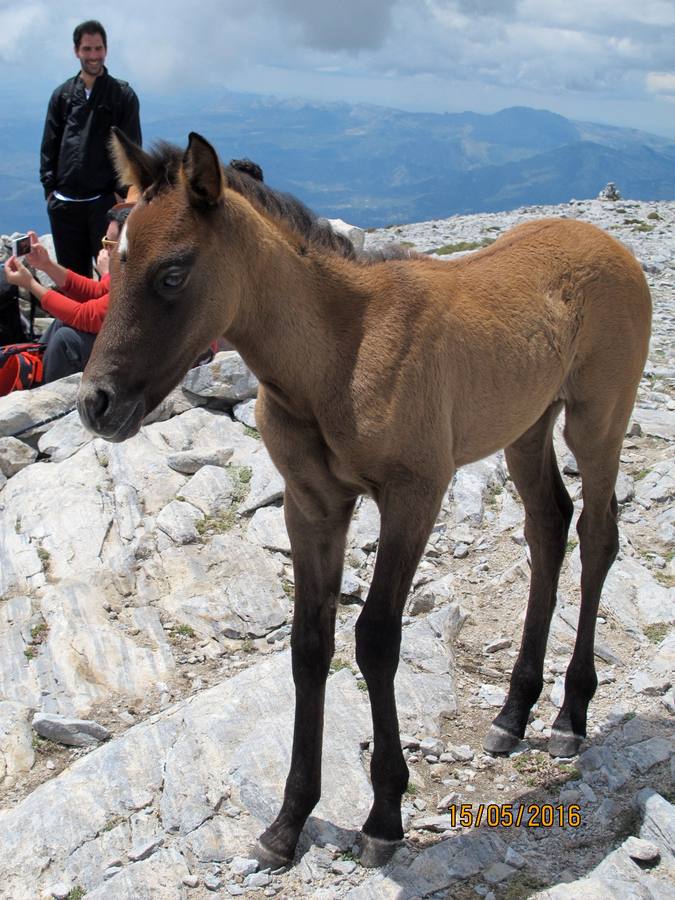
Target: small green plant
x=446, y=249
x=30, y=652
x=217, y=524
x=43, y=555
x=655, y=217
x=247, y=646
x=633, y=222
x=643, y=227
x=252, y=432
x=185, y=631
x=641, y=474
x=337, y=665
x=243, y=475
x=411, y=790
x=571, y=544
x=288, y=589
x=17, y=525
x=655, y=633
x=77, y=893
x=113, y=823
x=362, y=686
x=39, y=632
x=569, y=771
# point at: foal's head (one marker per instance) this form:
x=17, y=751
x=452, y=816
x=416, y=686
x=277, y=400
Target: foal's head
x=174, y=277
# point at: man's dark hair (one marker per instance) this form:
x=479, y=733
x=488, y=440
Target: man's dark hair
x=91, y=26
x=119, y=213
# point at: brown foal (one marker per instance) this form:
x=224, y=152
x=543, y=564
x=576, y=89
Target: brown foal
x=382, y=379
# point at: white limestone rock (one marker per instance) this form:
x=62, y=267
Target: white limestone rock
x=14, y=456
x=16, y=748
x=226, y=378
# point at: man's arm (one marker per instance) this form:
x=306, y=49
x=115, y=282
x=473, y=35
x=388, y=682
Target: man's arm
x=130, y=122
x=51, y=143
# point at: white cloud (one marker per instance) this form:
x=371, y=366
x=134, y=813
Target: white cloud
x=661, y=83
x=564, y=54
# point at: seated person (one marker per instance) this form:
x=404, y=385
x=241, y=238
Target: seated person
x=79, y=306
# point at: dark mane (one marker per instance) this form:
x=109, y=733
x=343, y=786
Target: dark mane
x=166, y=159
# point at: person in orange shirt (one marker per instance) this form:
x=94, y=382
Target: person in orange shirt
x=79, y=305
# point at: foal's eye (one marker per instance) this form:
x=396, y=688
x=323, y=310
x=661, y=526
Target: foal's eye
x=173, y=279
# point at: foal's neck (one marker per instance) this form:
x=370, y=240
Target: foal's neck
x=298, y=317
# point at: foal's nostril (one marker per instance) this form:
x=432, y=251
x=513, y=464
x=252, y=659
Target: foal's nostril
x=93, y=404
x=99, y=403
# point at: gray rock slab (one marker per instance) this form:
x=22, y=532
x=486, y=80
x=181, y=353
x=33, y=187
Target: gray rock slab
x=84, y=656
x=436, y=869
x=470, y=487
x=228, y=588
x=16, y=749
x=211, y=489
x=266, y=485
x=656, y=422
x=36, y=411
x=179, y=521
x=15, y=455
x=190, y=461
x=364, y=530
x=64, y=438
x=268, y=529
x=226, y=378
x=245, y=413
x=72, y=732
x=66, y=529
x=158, y=878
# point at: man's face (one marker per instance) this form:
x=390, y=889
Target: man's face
x=91, y=54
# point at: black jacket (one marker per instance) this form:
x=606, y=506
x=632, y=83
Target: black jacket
x=74, y=153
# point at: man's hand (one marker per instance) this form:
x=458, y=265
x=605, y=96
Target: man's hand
x=18, y=274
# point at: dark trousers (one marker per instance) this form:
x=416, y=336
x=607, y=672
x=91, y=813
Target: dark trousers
x=67, y=350
x=77, y=229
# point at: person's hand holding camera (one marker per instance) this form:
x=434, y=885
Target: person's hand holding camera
x=18, y=274
x=38, y=257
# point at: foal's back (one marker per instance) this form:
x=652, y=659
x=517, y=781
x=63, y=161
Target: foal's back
x=555, y=309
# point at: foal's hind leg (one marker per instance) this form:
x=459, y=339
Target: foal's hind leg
x=548, y=512
x=596, y=445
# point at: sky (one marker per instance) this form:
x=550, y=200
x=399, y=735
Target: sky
x=607, y=61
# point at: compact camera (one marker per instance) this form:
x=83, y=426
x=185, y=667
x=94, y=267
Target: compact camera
x=21, y=245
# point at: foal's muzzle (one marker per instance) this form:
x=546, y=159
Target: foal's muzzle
x=106, y=413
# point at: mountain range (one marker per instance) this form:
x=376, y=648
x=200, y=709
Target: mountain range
x=375, y=166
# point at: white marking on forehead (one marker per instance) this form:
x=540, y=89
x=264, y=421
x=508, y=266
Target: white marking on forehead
x=123, y=246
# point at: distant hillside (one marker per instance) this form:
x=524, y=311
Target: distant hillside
x=375, y=166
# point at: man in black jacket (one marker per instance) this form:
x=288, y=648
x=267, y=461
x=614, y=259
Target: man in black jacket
x=75, y=169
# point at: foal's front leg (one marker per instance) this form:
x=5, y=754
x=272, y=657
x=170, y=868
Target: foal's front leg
x=407, y=517
x=318, y=546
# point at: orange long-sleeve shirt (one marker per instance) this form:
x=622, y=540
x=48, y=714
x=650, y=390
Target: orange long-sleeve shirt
x=84, y=303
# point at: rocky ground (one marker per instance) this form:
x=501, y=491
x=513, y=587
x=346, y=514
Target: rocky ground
x=146, y=587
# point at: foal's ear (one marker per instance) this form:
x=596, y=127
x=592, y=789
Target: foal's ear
x=133, y=165
x=203, y=171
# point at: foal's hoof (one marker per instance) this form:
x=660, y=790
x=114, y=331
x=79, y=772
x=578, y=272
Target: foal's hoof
x=499, y=741
x=269, y=859
x=564, y=743
x=376, y=852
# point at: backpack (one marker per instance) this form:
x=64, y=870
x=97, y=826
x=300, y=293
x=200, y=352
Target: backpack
x=20, y=367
